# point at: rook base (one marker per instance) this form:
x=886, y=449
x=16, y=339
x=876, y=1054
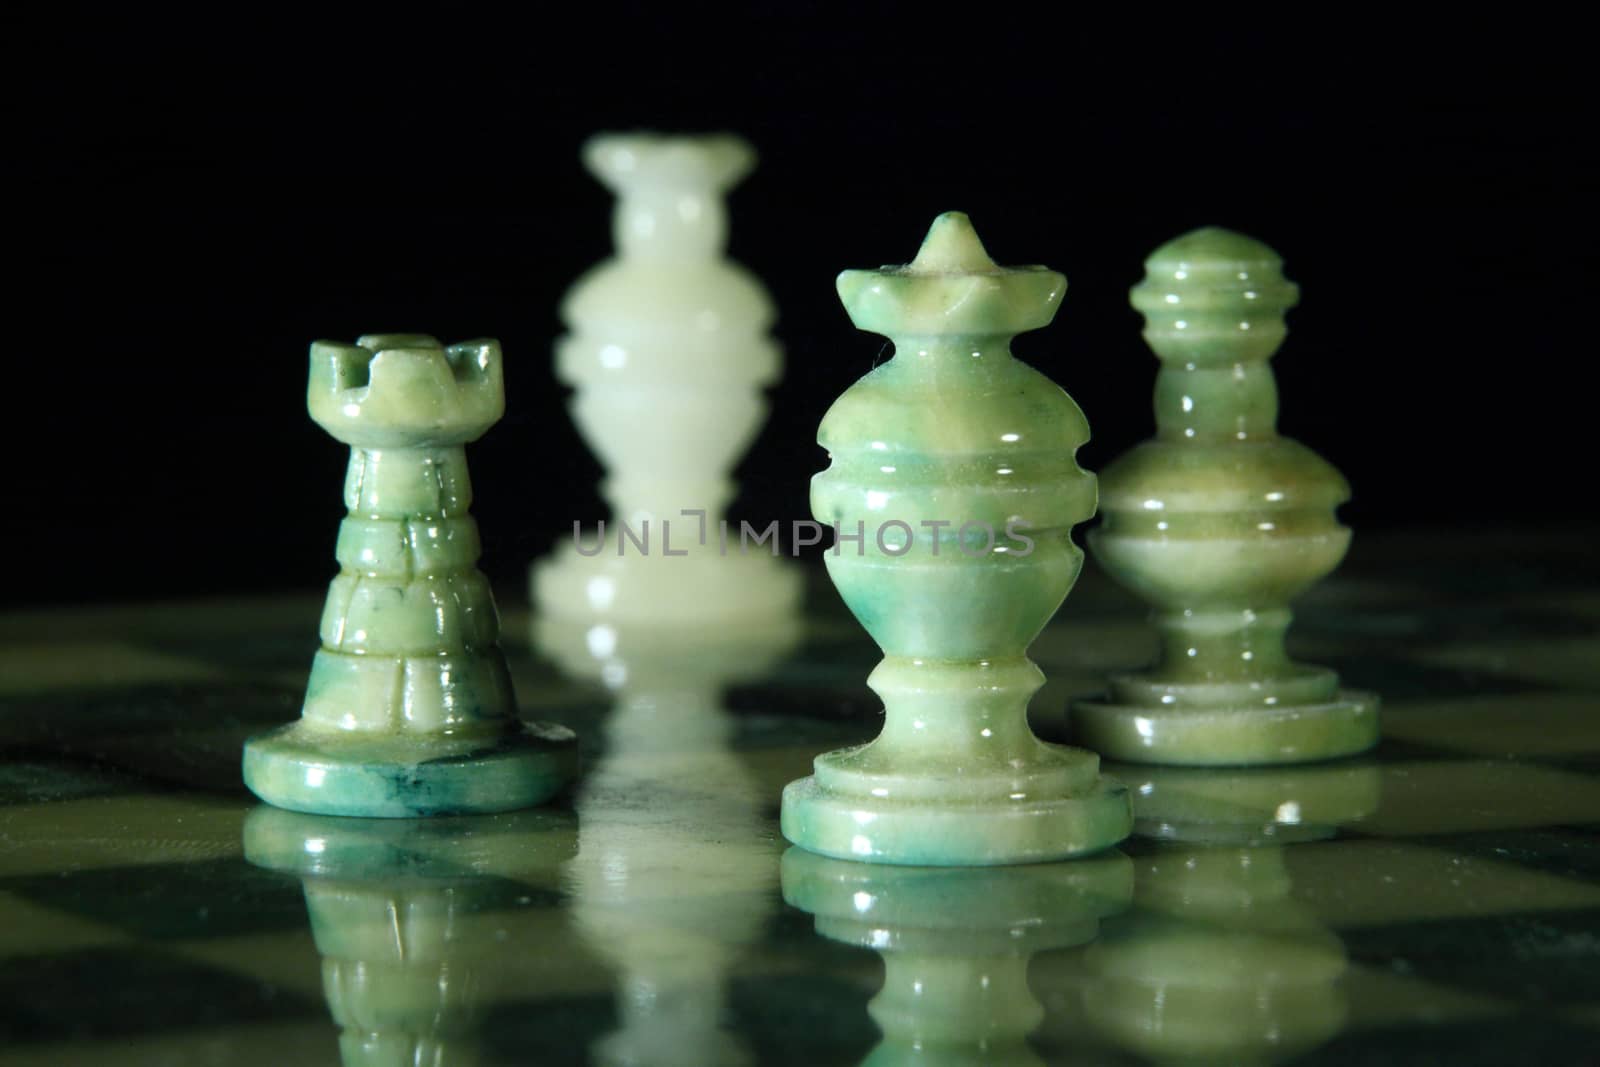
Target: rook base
x=325, y=772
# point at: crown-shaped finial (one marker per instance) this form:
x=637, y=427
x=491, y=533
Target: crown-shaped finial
x=951, y=288
x=951, y=247
x=394, y=390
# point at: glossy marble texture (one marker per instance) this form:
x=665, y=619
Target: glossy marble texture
x=956, y=944
x=1220, y=962
x=409, y=709
x=1432, y=901
x=1219, y=522
x=669, y=349
x=954, y=462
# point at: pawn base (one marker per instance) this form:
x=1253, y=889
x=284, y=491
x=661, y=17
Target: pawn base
x=856, y=827
x=322, y=772
x=1229, y=737
x=702, y=587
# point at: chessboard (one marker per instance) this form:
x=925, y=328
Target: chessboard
x=1437, y=900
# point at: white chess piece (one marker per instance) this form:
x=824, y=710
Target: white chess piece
x=668, y=350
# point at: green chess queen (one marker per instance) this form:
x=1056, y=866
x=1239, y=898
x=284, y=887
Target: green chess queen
x=954, y=464
x=409, y=709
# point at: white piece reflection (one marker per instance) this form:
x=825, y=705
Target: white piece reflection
x=677, y=865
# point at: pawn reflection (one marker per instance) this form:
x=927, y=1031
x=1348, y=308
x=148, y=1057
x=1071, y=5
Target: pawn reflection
x=676, y=867
x=956, y=942
x=1218, y=962
x=417, y=921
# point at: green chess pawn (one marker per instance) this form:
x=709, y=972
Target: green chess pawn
x=954, y=487
x=1220, y=523
x=409, y=708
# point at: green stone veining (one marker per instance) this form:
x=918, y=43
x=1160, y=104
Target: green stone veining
x=409, y=709
x=954, y=430
x=1219, y=522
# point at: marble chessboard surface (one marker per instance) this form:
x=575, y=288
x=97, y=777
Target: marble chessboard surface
x=1437, y=900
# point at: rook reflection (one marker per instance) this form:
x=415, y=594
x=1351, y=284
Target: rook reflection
x=417, y=921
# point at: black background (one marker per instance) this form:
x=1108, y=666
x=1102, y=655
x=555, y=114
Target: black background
x=195, y=199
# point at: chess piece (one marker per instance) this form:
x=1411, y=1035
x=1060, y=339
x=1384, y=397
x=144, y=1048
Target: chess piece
x=668, y=351
x=419, y=923
x=956, y=944
x=676, y=867
x=409, y=709
x=954, y=463
x=1219, y=522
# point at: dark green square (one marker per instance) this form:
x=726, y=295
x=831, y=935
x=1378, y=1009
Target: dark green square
x=210, y=898
x=105, y=993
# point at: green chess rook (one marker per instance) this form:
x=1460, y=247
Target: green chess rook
x=409, y=709
x=953, y=473
x=1219, y=522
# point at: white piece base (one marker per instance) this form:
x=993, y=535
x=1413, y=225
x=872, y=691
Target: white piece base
x=700, y=588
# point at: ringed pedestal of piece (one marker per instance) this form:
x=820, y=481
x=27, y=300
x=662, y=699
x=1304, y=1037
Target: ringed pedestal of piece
x=953, y=468
x=669, y=349
x=1219, y=522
